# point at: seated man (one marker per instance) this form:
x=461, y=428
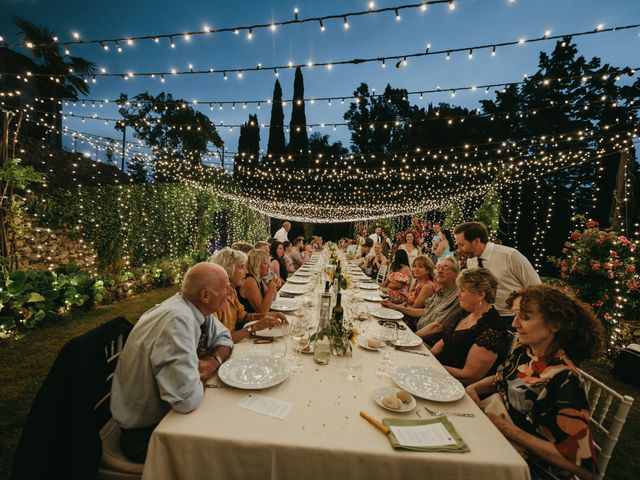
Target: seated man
x=173, y=348
x=297, y=253
x=365, y=250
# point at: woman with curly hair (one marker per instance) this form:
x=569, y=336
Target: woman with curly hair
x=544, y=406
x=410, y=246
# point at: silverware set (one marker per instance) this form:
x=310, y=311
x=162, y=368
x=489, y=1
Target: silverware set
x=436, y=413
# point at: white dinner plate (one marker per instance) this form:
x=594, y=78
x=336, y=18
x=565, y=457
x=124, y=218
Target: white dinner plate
x=293, y=289
x=379, y=393
x=298, y=280
x=371, y=297
x=407, y=338
x=368, y=286
x=253, y=372
x=428, y=383
x=364, y=343
x=273, y=332
x=386, y=313
x=303, y=273
x=284, y=305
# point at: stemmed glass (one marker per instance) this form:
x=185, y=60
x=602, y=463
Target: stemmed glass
x=300, y=339
x=389, y=337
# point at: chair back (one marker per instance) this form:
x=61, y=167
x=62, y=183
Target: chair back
x=70, y=408
x=609, y=411
x=382, y=273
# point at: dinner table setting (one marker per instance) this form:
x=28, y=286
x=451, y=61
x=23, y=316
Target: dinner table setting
x=383, y=408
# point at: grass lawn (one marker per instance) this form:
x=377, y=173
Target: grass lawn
x=25, y=363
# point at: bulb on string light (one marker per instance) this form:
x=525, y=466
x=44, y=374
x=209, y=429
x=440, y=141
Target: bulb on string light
x=372, y=5
x=452, y=5
x=322, y=27
x=493, y=51
x=346, y=23
x=173, y=45
x=76, y=35
x=470, y=54
x=295, y=13
x=398, y=18
x=273, y=27
x=423, y=7
x=250, y=34
x=448, y=57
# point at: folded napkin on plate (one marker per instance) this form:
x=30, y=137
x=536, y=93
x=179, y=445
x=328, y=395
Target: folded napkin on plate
x=458, y=447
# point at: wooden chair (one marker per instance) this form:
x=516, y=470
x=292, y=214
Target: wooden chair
x=609, y=411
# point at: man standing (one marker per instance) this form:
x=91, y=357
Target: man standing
x=282, y=235
x=435, y=241
x=171, y=351
x=510, y=267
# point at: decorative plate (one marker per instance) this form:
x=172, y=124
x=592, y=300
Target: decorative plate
x=253, y=372
x=368, y=286
x=364, y=343
x=386, y=313
x=379, y=394
x=408, y=339
x=284, y=305
x=371, y=297
x=428, y=383
x=293, y=289
x=298, y=280
x=273, y=332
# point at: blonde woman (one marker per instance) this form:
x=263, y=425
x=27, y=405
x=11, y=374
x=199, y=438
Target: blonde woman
x=254, y=294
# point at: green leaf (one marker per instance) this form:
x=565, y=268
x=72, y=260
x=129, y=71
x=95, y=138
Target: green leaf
x=35, y=297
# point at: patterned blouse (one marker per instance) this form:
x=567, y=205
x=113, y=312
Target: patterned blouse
x=546, y=398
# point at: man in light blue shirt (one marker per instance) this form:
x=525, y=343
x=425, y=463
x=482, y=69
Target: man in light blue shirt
x=159, y=368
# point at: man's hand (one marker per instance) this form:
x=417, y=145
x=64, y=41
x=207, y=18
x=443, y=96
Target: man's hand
x=207, y=367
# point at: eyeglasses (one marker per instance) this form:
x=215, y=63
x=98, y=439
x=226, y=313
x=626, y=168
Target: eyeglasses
x=444, y=267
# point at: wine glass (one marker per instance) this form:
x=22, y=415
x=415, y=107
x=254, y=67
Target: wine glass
x=388, y=334
x=300, y=339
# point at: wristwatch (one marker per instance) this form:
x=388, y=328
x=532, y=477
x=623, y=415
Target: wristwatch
x=218, y=358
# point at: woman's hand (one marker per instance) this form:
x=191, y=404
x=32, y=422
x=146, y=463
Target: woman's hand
x=504, y=425
x=271, y=320
x=471, y=391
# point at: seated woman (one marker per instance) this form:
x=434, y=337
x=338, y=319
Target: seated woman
x=446, y=246
x=397, y=287
x=373, y=262
x=276, y=250
x=547, y=407
x=400, y=264
x=476, y=343
x=233, y=314
x=410, y=246
x=254, y=295
x=423, y=287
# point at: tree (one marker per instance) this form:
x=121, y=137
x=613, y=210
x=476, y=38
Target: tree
x=138, y=170
x=248, y=145
x=298, y=139
x=178, y=134
x=319, y=145
x=276, y=144
x=58, y=76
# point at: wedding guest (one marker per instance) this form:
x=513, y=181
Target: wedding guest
x=397, y=287
x=478, y=342
x=400, y=264
x=423, y=288
x=410, y=245
x=542, y=406
x=262, y=246
x=232, y=314
x=435, y=240
x=282, y=235
x=242, y=246
x=171, y=350
x=510, y=267
x=276, y=250
x=254, y=294
x=288, y=248
x=374, y=261
x=365, y=249
x=445, y=246
x=297, y=252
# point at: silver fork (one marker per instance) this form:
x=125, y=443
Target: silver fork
x=449, y=412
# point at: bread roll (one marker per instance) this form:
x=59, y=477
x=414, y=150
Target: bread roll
x=374, y=343
x=391, y=401
x=404, y=397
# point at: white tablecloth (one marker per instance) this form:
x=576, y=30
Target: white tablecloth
x=324, y=437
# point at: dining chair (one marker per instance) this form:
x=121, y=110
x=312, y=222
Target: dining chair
x=609, y=412
x=382, y=273
x=61, y=437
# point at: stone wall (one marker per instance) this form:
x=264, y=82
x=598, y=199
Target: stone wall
x=45, y=249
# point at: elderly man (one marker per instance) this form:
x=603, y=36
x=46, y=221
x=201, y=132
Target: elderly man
x=510, y=267
x=282, y=235
x=440, y=308
x=171, y=351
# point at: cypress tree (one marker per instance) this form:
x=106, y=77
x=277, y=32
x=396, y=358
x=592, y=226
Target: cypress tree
x=298, y=138
x=276, y=145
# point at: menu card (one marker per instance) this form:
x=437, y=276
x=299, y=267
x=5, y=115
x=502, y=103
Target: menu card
x=267, y=406
x=432, y=435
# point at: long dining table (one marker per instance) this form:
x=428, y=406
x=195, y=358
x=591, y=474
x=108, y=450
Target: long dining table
x=323, y=436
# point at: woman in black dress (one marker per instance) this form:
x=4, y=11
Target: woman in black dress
x=276, y=250
x=477, y=343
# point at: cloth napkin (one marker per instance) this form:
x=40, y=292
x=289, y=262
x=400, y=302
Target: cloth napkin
x=458, y=447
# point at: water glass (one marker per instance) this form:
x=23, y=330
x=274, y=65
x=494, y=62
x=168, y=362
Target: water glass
x=279, y=348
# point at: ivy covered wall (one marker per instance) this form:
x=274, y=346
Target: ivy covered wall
x=138, y=223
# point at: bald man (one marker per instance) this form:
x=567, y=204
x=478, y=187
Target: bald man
x=171, y=351
x=282, y=235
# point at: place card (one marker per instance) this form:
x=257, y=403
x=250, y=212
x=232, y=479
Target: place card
x=270, y=407
x=432, y=435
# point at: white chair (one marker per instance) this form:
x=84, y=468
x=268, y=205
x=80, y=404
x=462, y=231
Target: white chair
x=382, y=274
x=609, y=411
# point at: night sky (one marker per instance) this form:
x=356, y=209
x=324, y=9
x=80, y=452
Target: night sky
x=473, y=22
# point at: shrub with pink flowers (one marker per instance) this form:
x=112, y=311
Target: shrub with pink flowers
x=601, y=266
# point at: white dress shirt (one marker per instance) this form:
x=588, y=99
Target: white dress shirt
x=510, y=267
x=158, y=367
x=281, y=235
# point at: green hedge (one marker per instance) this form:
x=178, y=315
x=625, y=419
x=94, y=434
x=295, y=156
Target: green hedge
x=137, y=224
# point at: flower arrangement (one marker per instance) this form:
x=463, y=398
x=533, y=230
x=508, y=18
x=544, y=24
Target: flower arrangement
x=601, y=266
